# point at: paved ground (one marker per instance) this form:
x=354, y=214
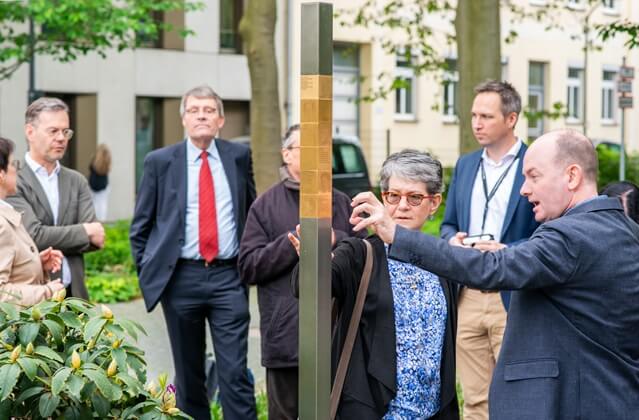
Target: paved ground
x=156, y=343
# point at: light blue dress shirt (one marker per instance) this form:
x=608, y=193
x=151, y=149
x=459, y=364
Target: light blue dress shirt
x=227, y=234
x=49, y=183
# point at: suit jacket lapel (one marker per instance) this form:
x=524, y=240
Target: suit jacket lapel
x=513, y=201
x=64, y=192
x=30, y=179
x=178, y=175
x=468, y=180
x=230, y=169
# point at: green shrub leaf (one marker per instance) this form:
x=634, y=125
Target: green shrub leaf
x=119, y=355
x=133, y=386
x=29, y=367
x=9, y=375
x=9, y=309
x=93, y=327
x=6, y=409
x=55, y=329
x=59, y=379
x=100, y=404
x=48, y=403
x=70, y=319
x=30, y=392
x=75, y=384
x=48, y=353
x=136, y=408
x=28, y=332
x=110, y=391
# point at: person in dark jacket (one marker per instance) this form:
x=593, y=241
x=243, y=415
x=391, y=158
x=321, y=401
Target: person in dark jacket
x=266, y=259
x=403, y=360
x=628, y=193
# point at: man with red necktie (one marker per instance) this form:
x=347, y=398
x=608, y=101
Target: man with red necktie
x=189, y=216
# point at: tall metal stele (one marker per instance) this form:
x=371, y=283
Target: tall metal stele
x=316, y=93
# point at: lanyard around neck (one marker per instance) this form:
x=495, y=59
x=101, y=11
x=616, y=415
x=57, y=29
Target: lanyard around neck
x=490, y=195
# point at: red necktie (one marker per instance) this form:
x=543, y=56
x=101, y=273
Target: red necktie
x=207, y=213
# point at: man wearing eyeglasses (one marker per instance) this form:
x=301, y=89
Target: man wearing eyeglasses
x=484, y=210
x=56, y=201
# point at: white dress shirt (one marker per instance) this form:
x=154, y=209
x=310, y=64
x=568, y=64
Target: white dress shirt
x=49, y=183
x=228, y=245
x=498, y=204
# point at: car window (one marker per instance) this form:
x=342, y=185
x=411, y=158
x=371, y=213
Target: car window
x=351, y=159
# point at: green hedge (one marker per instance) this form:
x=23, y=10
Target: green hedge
x=609, y=166
x=110, y=272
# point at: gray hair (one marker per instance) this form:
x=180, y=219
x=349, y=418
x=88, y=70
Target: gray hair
x=413, y=165
x=44, y=104
x=510, y=99
x=574, y=147
x=203, y=91
x=287, y=141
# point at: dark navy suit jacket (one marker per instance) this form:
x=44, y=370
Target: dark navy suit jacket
x=571, y=348
x=157, y=229
x=519, y=222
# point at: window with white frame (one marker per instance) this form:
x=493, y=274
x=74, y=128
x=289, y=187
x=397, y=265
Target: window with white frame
x=608, y=105
x=450, y=82
x=574, y=93
x=610, y=4
x=576, y=4
x=405, y=92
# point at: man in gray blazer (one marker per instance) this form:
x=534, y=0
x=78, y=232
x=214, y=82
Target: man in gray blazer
x=570, y=349
x=56, y=201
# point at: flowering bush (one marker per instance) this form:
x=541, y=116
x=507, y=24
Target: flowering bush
x=69, y=358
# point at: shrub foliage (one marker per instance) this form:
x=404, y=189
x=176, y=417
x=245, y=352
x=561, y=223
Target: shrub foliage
x=67, y=358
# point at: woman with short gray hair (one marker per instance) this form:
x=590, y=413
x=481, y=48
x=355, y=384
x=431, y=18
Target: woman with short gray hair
x=403, y=361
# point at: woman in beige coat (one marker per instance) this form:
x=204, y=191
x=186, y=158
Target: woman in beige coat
x=24, y=278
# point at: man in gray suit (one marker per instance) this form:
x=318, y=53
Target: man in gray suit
x=570, y=349
x=56, y=201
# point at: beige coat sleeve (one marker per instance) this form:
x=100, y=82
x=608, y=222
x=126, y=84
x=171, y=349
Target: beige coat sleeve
x=18, y=293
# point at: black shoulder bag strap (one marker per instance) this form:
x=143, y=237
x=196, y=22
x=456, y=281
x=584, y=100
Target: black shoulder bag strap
x=345, y=357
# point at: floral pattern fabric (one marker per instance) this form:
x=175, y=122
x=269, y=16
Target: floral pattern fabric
x=420, y=325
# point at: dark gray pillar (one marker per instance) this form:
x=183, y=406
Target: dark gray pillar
x=316, y=94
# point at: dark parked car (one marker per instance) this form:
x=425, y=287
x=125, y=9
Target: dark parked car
x=350, y=174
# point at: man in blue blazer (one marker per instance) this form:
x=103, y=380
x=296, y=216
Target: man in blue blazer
x=483, y=198
x=189, y=216
x=570, y=350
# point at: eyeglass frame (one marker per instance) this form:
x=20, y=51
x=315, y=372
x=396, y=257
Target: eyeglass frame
x=67, y=133
x=16, y=163
x=421, y=196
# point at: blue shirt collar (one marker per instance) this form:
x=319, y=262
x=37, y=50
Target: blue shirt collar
x=193, y=152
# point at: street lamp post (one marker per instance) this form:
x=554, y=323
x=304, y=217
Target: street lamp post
x=586, y=31
x=33, y=94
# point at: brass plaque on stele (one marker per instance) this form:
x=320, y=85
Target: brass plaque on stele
x=316, y=146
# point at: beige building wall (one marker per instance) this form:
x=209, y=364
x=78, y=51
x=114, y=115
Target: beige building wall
x=430, y=130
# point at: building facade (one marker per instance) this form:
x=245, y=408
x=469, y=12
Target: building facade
x=130, y=100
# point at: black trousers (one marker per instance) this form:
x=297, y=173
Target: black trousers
x=194, y=295
x=282, y=393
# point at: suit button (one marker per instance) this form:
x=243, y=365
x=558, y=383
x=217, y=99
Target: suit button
x=181, y=241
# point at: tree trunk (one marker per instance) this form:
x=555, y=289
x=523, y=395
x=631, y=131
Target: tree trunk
x=477, y=26
x=257, y=28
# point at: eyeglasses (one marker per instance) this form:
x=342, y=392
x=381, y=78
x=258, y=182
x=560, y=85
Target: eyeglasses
x=16, y=164
x=413, y=199
x=54, y=133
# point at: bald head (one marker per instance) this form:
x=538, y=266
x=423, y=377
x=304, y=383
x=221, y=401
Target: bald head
x=570, y=147
x=560, y=171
